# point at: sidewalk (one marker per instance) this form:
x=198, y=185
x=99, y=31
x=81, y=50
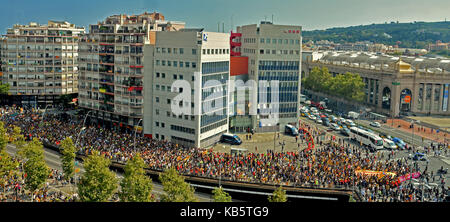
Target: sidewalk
x=421, y=131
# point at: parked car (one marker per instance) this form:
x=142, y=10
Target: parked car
x=375, y=124
x=230, y=139
x=318, y=120
x=389, y=144
x=291, y=130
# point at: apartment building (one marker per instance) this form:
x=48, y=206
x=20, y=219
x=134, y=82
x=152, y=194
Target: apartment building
x=112, y=67
x=39, y=62
x=186, y=89
x=274, y=54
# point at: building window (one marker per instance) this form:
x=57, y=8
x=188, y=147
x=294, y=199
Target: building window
x=204, y=51
x=158, y=75
x=158, y=50
x=181, y=51
x=157, y=111
x=157, y=62
x=163, y=50
x=175, y=64
x=157, y=124
x=175, y=51
x=262, y=40
x=187, y=64
x=181, y=77
x=168, y=101
x=208, y=51
x=194, y=51
x=181, y=64
x=157, y=99
x=194, y=65
x=163, y=75
x=163, y=62
x=261, y=52
x=175, y=76
x=280, y=41
x=297, y=42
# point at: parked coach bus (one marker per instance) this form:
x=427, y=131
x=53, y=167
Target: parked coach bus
x=374, y=142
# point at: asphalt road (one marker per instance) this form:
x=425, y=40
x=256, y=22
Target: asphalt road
x=52, y=158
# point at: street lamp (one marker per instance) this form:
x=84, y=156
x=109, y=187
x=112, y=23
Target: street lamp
x=83, y=128
x=135, y=131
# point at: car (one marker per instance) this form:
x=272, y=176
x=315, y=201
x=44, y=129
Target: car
x=418, y=156
x=350, y=123
x=308, y=102
x=230, y=139
x=389, y=144
x=334, y=126
x=375, y=124
x=385, y=136
x=345, y=131
x=291, y=130
x=318, y=120
x=326, y=123
x=312, y=117
x=399, y=142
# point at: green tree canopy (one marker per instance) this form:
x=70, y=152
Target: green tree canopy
x=279, y=195
x=4, y=88
x=349, y=85
x=3, y=136
x=136, y=186
x=175, y=188
x=7, y=167
x=35, y=168
x=68, y=158
x=220, y=195
x=98, y=183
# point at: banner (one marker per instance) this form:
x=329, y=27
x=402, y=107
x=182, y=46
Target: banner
x=377, y=173
x=445, y=98
x=407, y=177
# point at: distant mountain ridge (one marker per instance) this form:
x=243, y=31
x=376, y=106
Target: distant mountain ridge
x=409, y=35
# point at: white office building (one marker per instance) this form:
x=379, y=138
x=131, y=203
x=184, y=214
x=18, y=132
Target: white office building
x=198, y=63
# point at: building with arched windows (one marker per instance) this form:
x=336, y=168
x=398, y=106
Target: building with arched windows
x=393, y=84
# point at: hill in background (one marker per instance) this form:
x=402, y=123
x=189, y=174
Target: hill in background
x=408, y=35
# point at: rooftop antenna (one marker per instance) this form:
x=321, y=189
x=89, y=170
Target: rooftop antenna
x=272, y=18
x=223, y=27
x=218, y=27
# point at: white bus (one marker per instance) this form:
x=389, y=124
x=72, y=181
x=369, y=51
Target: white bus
x=366, y=138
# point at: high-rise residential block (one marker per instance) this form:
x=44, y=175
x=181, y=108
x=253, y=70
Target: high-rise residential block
x=112, y=66
x=39, y=62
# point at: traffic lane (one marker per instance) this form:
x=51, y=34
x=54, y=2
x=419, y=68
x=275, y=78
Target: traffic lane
x=52, y=158
x=406, y=136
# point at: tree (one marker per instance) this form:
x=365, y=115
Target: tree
x=17, y=138
x=279, y=195
x=4, y=88
x=35, y=167
x=3, y=137
x=220, y=195
x=68, y=158
x=175, y=188
x=7, y=167
x=98, y=183
x=136, y=186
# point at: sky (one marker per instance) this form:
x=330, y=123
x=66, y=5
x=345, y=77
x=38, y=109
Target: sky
x=311, y=14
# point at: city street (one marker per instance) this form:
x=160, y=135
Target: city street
x=52, y=158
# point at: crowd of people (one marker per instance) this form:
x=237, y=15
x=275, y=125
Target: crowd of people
x=332, y=165
x=13, y=188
